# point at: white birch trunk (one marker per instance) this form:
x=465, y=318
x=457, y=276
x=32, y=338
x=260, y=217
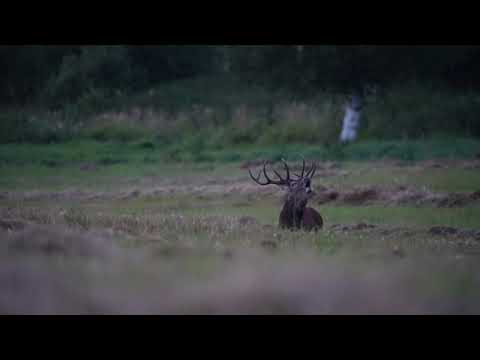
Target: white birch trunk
x=351, y=120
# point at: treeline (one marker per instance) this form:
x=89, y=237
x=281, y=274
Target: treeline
x=59, y=74
x=56, y=75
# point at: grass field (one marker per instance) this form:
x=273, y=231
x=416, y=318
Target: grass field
x=106, y=227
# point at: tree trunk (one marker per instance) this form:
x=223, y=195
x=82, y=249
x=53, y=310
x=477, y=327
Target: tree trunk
x=351, y=120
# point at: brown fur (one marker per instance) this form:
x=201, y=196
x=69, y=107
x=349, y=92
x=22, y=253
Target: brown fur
x=296, y=215
x=312, y=220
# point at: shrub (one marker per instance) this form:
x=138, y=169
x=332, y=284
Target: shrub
x=116, y=132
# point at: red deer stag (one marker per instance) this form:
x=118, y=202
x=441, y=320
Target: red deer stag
x=295, y=213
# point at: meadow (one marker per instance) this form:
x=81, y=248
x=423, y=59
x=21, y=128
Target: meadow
x=95, y=226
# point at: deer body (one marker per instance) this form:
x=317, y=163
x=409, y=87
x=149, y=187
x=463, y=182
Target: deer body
x=308, y=219
x=312, y=220
x=295, y=214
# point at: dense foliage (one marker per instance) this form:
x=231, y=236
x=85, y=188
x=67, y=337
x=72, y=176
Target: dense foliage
x=423, y=89
x=60, y=73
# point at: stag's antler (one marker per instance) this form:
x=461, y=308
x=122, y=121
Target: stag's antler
x=283, y=181
x=303, y=168
x=309, y=173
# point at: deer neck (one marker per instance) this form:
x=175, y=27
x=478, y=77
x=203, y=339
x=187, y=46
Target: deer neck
x=293, y=210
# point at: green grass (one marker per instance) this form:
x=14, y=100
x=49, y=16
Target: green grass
x=467, y=217
x=122, y=167
x=59, y=166
x=197, y=149
x=174, y=222
x=454, y=178
x=266, y=210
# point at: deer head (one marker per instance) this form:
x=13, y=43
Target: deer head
x=299, y=191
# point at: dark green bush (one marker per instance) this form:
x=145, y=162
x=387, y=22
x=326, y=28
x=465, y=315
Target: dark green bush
x=90, y=76
x=116, y=132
